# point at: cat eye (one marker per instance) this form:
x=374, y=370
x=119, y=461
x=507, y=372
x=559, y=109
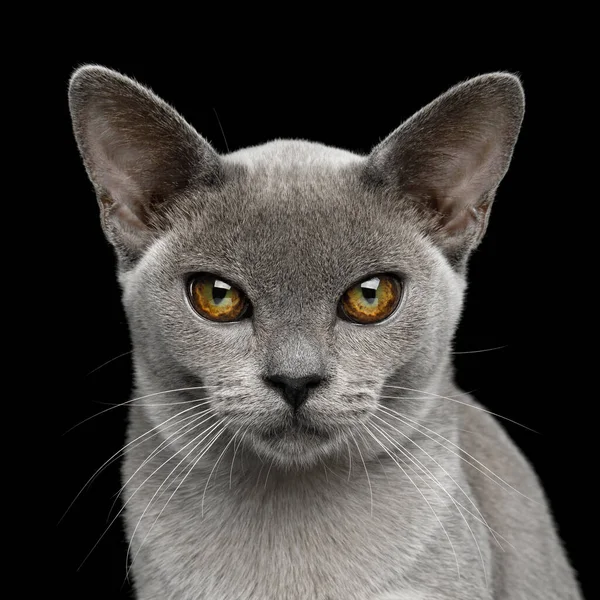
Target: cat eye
x=371, y=300
x=218, y=300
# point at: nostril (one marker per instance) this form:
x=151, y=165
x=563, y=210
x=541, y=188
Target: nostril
x=294, y=382
x=294, y=389
x=313, y=381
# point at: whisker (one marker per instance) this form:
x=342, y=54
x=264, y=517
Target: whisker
x=215, y=466
x=409, y=397
x=489, y=412
x=119, y=453
x=191, y=468
x=439, y=421
x=221, y=128
x=401, y=417
x=349, y=460
x=480, y=351
x=262, y=466
x=138, y=488
x=108, y=362
x=362, y=437
x=324, y=468
x=365, y=467
x=154, y=403
x=268, y=472
x=446, y=472
x=420, y=492
x=242, y=455
x=462, y=506
x=410, y=456
x=135, y=399
x=188, y=428
x=330, y=470
x=427, y=395
x=235, y=449
x=442, y=423
x=483, y=522
x=456, y=502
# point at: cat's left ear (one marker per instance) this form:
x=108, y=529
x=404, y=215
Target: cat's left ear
x=140, y=154
x=449, y=158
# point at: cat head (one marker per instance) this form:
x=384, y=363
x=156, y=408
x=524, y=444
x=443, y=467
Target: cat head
x=291, y=285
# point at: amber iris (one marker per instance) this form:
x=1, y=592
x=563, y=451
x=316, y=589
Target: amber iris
x=216, y=299
x=371, y=300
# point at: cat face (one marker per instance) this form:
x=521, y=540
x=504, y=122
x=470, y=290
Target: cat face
x=293, y=252
x=290, y=284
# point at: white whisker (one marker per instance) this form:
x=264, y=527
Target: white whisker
x=157, y=403
x=420, y=492
x=324, y=467
x=396, y=415
x=365, y=467
x=138, y=488
x=235, y=449
x=362, y=437
x=120, y=452
x=489, y=412
x=411, y=457
x=349, y=460
x=435, y=492
x=109, y=361
x=262, y=466
x=201, y=387
x=212, y=470
x=191, y=468
x=480, y=351
x=444, y=470
x=187, y=429
x=268, y=472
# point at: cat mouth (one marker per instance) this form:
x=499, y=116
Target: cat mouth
x=295, y=429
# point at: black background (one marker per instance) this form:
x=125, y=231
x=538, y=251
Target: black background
x=516, y=300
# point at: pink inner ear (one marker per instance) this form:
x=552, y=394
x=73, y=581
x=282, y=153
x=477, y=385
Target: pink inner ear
x=464, y=180
x=114, y=171
x=127, y=217
x=125, y=195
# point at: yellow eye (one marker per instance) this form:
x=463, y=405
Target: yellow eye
x=217, y=300
x=371, y=300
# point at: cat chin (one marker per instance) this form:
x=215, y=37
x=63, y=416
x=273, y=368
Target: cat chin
x=294, y=449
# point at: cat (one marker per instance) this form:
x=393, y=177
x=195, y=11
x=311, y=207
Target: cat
x=296, y=431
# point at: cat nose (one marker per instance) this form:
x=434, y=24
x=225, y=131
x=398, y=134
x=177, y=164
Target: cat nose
x=295, y=390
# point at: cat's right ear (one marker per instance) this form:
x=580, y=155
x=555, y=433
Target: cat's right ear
x=449, y=158
x=139, y=153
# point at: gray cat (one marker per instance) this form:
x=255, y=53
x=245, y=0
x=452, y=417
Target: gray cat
x=297, y=432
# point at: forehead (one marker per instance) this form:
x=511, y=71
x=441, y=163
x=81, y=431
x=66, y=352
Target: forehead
x=299, y=223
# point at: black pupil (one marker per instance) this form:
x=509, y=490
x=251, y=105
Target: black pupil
x=218, y=294
x=369, y=294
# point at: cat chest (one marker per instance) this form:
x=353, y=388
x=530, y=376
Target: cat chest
x=282, y=545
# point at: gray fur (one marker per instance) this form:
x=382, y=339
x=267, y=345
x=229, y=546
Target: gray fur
x=294, y=224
